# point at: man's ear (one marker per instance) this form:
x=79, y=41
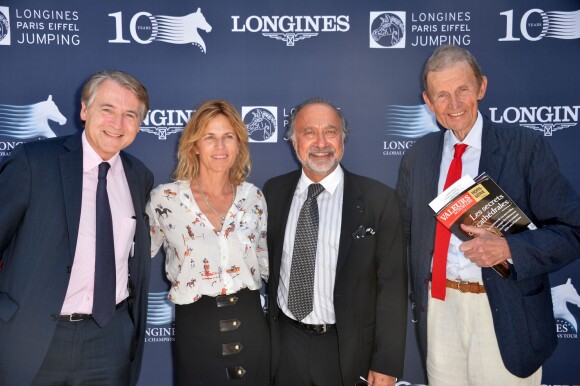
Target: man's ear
x=83, y=111
x=428, y=101
x=482, y=88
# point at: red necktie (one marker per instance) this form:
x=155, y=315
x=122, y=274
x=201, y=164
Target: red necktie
x=442, y=234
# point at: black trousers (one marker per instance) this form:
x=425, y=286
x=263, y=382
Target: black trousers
x=225, y=345
x=307, y=359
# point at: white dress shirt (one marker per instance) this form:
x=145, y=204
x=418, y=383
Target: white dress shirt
x=458, y=266
x=330, y=219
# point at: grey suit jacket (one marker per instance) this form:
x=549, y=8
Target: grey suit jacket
x=40, y=196
x=371, y=275
x=523, y=164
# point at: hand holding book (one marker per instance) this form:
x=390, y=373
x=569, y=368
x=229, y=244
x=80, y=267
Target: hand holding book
x=481, y=204
x=486, y=249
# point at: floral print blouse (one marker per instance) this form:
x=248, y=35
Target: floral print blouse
x=199, y=260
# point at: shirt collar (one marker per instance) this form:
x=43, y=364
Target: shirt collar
x=330, y=183
x=91, y=159
x=473, y=138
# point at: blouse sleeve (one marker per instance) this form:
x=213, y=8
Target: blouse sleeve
x=157, y=234
x=261, y=246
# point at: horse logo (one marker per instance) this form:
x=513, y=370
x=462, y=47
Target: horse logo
x=30, y=121
x=160, y=310
x=261, y=123
x=180, y=29
x=562, y=294
x=387, y=30
x=4, y=26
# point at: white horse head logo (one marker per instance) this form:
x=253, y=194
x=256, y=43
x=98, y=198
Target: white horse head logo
x=562, y=294
x=180, y=29
x=30, y=121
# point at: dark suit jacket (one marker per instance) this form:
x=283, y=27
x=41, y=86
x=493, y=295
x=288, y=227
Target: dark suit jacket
x=40, y=196
x=371, y=275
x=523, y=164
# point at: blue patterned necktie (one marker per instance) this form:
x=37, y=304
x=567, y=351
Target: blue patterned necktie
x=104, y=297
x=301, y=288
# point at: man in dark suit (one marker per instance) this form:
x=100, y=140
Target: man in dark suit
x=48, y=243
x=493, y=330
x=355, y=322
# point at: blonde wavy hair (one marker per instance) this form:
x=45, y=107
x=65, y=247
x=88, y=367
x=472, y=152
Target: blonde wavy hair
x=188, y=162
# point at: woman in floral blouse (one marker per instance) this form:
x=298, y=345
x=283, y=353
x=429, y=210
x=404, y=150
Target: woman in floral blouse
x=212, y=227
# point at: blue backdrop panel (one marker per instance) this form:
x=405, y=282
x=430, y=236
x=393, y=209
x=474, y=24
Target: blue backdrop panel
x=266, y=57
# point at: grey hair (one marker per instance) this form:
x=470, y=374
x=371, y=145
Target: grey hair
x=291, y=133
x=448, y=55
x=121, y=78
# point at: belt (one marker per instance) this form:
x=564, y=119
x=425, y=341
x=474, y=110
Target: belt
x=311, y=328
x=465, y=286
x=81, y=317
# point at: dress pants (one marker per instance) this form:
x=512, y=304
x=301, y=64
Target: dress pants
x=462, y=349
x=307, y=358
x=84, y=354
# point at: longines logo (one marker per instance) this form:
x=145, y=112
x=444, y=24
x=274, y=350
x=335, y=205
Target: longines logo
x=145, y=28
x=536, y=24
x=396, y=29
x=547, y=119
x=566, y=324
x=22, y=122
x=291, y=29
x=387, y=30
x=160, y=312
x=34, y=26
x=4, y=26
x=409, y=122
x=162, y=123
x=261, y=123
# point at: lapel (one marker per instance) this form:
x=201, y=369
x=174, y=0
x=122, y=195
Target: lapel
x=134, y=188
x=140, y=226
x=433, y=167
x=71, y=171
x=491, y=159
x=353, y=208
x=282, y=210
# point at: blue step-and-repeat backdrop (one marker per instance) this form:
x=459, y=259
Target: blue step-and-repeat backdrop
x=267, y=56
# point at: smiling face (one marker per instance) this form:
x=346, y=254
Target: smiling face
x=112, y=119
x=453, y=96
x=218, y=146
x=318, y=140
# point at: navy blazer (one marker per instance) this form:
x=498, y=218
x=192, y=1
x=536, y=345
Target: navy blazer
x=40, y=196
x=523, y=164
x=371, y=275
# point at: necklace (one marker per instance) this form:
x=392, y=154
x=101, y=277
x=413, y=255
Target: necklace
x=223, y=218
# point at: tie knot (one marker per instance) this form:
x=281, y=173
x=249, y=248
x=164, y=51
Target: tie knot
x=459, y=150
x=103, y=169
x=314, y=190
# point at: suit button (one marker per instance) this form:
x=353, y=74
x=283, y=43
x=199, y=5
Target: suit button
x=68, y=269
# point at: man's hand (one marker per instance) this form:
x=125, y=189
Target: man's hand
x=378, y=379
x=486, y=249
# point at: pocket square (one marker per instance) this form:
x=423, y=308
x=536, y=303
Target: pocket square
x=362, y=231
